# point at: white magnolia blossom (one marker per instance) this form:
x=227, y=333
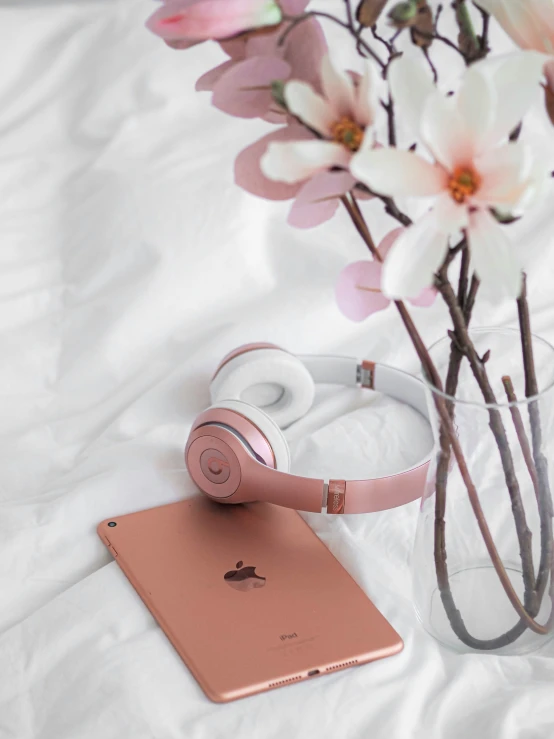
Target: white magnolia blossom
x=474, y=168
x=530, y=23
x=342, y=118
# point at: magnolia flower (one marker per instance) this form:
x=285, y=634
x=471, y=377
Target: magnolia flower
x=242, y=86
x=342, y=119
x=316, y=198
x=358, y=290
x=184, y=23
x=530, y=23
x=475, y=168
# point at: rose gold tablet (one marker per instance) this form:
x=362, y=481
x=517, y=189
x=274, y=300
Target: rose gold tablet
x=249, y=596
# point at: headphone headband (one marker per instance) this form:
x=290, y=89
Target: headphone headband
x=236, y=452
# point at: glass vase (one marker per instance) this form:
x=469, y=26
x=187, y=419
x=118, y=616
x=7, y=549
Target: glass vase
x=482, y=560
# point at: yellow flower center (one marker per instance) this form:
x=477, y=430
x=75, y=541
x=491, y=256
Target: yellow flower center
x=348, y=133
x=463, y=183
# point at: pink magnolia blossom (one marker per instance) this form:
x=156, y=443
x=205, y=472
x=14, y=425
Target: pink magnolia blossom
x=475, y=168
x=315, y=198
x=242, y=85
x=358, y=290
x=530, y=23
x=342, y=117
x=184, y=23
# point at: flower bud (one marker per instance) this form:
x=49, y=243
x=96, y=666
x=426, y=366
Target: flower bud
x=403, y=15
x=368, y=12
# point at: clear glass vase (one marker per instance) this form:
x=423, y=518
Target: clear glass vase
x=467, y=594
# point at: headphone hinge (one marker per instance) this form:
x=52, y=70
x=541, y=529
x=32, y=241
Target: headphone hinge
x=365, y=374
x=336, y=496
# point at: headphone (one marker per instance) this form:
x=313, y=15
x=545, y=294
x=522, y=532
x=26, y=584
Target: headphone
x=236, y=452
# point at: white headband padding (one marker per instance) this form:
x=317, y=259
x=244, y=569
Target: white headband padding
x=267, y=374
x=402, y=386
x=266, y=425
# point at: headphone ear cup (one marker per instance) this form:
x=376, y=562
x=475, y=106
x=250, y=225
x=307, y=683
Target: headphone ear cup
x=266, y=426
x=270, y=379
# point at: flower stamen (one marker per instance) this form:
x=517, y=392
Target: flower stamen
x=348, y=133
x=463, y=183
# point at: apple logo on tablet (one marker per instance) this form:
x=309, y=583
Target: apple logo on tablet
x=243, y=578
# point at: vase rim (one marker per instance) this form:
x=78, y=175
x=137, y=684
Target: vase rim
x=481, y=404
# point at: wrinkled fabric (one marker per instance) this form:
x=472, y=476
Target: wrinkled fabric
x=130, y=263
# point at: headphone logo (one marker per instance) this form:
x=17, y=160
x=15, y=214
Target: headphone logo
x=216, y=465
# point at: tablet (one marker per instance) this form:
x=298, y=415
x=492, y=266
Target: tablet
x=248, y=595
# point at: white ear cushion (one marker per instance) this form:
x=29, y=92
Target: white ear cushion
x=254, y=378
x=267, y=426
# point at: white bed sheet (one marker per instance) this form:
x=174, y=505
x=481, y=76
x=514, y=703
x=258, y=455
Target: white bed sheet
x=129, y=264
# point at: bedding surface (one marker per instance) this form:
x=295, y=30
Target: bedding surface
x=129, y=265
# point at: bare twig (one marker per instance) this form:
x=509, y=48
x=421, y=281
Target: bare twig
x=470, y=300
x=499, y=432
x=349, y=15
x=520, y=431
x=541, y=464
x=389, y=45
x=296, y=20
x=391, y=121
x=443, y=39
x=430, y=62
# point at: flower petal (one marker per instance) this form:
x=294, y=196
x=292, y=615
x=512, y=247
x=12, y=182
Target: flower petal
x=245, y=90
x=529, y=23
x=517, y=87
x=311, y=108
x=235, y=47
x=298, y=160
x=181, y=44
x=505, y=175
x=397, y=173
x=338, y=88
x=248, y=174
x=305, y=48
x=294, y=7
x=212, y=19
x=367, y=95
x=444, y=132
x=388, y=240
x=451, y=216
x=493, y=255
x=413, y=260
x=318, y=200
x=426, y=298
x=358, y=290
x=411, y=86
x=476, y=103
x=208, y=80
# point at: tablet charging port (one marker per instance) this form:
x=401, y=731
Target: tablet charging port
x=311, y=673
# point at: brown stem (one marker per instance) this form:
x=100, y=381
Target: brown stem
x=497, y=427
x=361, y=226
x=472, y=294
x=520, y=431
x=391, y=121
x=541, y=464
x=296, y=20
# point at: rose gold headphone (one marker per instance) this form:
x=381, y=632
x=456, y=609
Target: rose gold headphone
x=236, y=452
